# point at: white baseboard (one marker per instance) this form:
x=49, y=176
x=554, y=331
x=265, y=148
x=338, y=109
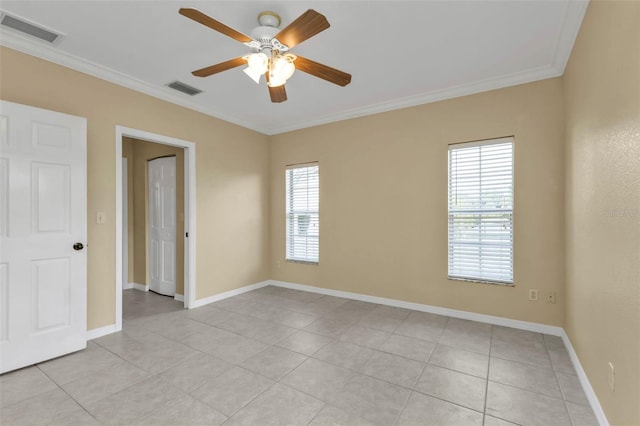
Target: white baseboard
x=489, y=319
x=584, y=381
x=141, y=287
x=179, y=297
x=127, y=286
x=230, y=293
x=101, y=331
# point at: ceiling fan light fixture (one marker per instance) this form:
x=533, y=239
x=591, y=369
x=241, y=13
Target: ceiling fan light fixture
x=258, y=64
x=281, y=69
x=252, y=74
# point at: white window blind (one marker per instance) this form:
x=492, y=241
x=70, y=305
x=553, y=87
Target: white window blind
x=481, y=211
x=302, y=207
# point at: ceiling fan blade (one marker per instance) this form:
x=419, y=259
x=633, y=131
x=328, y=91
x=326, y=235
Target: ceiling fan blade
x=208, y=21
x=278, y=94
x=222, y=66
x=304, y=27
x=324, y=72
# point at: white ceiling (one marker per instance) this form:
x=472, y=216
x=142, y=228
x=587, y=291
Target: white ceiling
x=400, y=53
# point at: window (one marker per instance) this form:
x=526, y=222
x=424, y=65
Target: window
x=303, y=220
x=481, y=211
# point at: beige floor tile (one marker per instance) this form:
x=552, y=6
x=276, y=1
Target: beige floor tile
x=195, y=372
x=174, y=326
x=23, y=384
x=408, y=347
x=374, y=400
x=394, y=369
x=571, y=389
x=135, y=402
x=494, y=421
x=460, y=360
x=333, y=416
x=79, y=364
x=183, y=411
x=524, y=376
x=49, y=407
x=280, y=405
x=318, y=378
x=233, y=390
x=100, y=384
x=429, y=411
x=422, y=325
x=459, y=388
x=210, y=315
x=513, y=335
x=581, y=415
x=304, y=342
x=344, y=354
x=467, y=335
x=532, y=353
x=379, y=321
x=292, y=319
x=365, y=336
x=525, y=407
x=274, y=362
x=330, y=327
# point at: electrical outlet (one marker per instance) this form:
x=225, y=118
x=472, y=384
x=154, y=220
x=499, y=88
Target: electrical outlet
x=612, y=377
x=533, y=294
x=551, y=298
x=278, y=264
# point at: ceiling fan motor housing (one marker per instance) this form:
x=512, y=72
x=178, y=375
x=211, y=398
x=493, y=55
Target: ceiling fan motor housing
x=263, y=35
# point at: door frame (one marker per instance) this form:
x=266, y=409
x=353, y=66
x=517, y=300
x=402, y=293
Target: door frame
x=189, y=212
x=125, y=225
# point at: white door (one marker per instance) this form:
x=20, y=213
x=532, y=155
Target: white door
x=162, y=225
x=43, y=216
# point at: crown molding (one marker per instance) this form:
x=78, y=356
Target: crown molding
x=52, y=54
x=425, y=98
x=575, y=11
x=572, y=22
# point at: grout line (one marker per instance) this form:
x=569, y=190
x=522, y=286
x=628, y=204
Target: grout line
x=316, y=414
x=486, y=389
x=67, y=393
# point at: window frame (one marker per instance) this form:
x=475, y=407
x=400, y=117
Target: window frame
x=481, y=278
x=290, y=213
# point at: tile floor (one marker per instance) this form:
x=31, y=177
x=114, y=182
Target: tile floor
x=277, y=356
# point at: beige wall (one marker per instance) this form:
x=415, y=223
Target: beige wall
x=602, y=88
x=232, y=171
x=142, y=153
x=383, y=201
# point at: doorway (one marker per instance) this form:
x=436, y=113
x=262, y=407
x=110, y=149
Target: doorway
x=185, y=236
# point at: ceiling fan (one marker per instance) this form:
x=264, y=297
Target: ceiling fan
x=270, y=50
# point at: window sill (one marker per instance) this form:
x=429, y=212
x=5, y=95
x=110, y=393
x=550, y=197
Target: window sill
x=478, y=281
x=304, y=262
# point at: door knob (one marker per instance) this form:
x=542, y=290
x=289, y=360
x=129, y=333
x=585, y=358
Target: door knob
x=78, y=246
